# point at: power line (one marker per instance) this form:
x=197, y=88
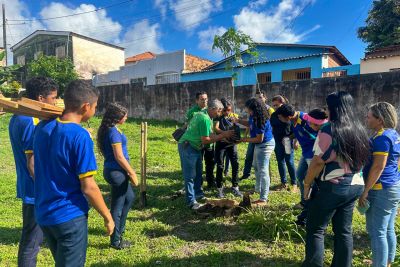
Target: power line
x=76, y=14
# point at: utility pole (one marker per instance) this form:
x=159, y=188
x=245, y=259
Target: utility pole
x=4, y=33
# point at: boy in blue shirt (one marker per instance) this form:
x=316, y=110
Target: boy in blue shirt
x=21, y=129
x=64, y=167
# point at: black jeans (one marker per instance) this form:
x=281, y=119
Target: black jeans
x=208, y=155
x=222, y=149
x=31, y=237
x=122, y=197
x=68, y=242
x=332, y=202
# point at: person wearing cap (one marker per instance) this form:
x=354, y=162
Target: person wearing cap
x=198, y=134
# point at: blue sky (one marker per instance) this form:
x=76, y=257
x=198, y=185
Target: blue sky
x=169, y=25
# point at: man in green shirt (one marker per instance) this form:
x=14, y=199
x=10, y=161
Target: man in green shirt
x=207, y=151
x=198, y=134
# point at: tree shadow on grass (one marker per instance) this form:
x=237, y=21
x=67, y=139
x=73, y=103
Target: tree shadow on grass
x=230, y=259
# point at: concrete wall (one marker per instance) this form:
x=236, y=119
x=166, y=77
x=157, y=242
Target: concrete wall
x=170, y=101
x=162, y=63
x=92, y=57
x=373, y=65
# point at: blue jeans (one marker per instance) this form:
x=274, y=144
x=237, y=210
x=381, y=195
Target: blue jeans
x=248, y=162
x=31, y=237
x=68, y=242
x=381, y=217
x=122, y=197
x=282, y=158
x=192, y=168
x=262, y=155
x=301, y=174
x=332, y=202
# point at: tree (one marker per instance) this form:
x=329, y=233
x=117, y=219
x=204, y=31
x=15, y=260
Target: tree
x=62, y=71
x=8, y=84
x=230, y=44
x=382, y=25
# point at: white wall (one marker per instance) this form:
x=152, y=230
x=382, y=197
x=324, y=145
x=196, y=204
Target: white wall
x=375, y=65
x=167, y=62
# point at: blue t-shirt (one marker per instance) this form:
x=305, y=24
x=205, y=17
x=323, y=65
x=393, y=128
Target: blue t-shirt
x=386, y=142
x=113, y=137
x=266, y=129
x=305, y=135
x=21, y=130
x=63, y=155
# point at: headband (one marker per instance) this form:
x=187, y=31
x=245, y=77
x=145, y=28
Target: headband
x=313, y=120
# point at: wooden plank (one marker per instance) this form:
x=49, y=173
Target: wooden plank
x=41, y=105
x=8, y=103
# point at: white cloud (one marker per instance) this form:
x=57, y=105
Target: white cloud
x=162, y=5
x=142, y=37
x=192, y=15
x=273, y=25
x=257, y=3
x=206, y=37
x=95, y=24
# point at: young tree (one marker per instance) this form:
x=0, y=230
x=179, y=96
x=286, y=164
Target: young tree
x=231, y=44
x=60, y=70
x=382, y=25
x=8, y=84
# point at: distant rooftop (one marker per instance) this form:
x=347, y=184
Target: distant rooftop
x=139, y=57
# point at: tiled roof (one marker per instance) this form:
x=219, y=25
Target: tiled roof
x=389, y=51
x=195, y=63
x=140, y=57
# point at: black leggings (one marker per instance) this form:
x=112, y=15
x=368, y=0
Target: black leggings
x=231, y=152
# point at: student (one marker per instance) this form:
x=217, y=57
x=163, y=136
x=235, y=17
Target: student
x=21, y=130
x=261, y=136
x=284, y=149
x=340, y=152
x=305, y=128
x=382, y=188
x=224, y=148
x=112, y=144
x=207, y=151
x=198, y=134
x=64, y=168
x=248, y=162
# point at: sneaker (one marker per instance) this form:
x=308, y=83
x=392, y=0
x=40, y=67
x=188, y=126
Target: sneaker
x=201, y=198
x=281, y=187
x=195, y=206
x=123, y=244
x=294, y=189
x=236, y=192
x=220, y=193
x=259, y=202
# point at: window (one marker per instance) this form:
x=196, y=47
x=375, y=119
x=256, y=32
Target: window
x=21, y=60
x=338, y=73
x=37, y=54
x=296, y=74
x=167, y=77
x=60, y=51
x=142, y=80
x=264, y=78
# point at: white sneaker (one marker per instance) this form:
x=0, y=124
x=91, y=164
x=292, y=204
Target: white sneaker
x=236, y=192
x=196, y=206
x=220, y=193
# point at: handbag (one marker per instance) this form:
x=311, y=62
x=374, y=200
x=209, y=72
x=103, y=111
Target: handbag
x=177, y=134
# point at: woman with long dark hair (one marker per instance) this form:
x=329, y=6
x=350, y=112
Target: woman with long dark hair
x=340, y=152
x=261, y=136
x=112, y=144
x=382, y=188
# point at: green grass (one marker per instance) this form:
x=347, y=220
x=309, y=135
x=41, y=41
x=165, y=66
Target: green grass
x=166, y=233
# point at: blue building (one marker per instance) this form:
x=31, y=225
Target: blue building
x=280, y=62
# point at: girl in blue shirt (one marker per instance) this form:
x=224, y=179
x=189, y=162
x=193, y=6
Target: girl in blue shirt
x=261, y=136
x=382, y=188
x=117, y=172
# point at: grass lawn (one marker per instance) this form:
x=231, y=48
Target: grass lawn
x=167, y=233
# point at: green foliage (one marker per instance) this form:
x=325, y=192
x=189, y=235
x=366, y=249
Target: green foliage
x=272, y=224
x=382, y=25
x=231, y=43
x=10, y=89
x=8, y=85
x=60, y=70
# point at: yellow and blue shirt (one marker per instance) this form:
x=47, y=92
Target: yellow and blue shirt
x=305, y=135
x=63, y=156
x=386, y=142
x=21, y=130
x=114, y=137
